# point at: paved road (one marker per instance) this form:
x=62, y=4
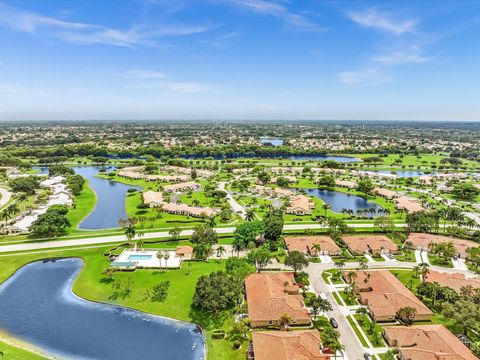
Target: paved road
x=6, y=196
x=151, y=235
x=236, y=207
x=353, y=346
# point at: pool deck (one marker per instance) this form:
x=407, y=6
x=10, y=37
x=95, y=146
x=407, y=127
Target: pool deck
x=146, y=259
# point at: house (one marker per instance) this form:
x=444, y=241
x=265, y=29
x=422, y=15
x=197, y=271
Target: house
x=153, y=198
x=346, y=184
x=184, y=186
x=384, y=295
x=454, y=281
x=271, y=295
x=300, y=205
x=187, y=210
x=287, y=345
x=421, y=241
x=167, y=178
x=184, y=252
x=370, y=244
x=407, y=204
x=306, y=245
x=386, y=193
x=426, y=342
x=53, y=181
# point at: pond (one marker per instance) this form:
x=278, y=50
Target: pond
x=403, y=173
x=110, y=207
x=38, y=306
x=339, y=201
x=273, y=141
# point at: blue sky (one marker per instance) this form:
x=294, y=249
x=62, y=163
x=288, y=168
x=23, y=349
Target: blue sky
x=239, y=59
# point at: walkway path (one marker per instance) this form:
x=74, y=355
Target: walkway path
x=6, y=196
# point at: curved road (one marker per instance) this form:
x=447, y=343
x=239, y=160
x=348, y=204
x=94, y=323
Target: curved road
x=151, y=235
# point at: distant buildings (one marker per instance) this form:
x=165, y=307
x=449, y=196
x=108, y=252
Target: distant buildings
x=185, y=186
x=384, y=295
x=426, y=342
x=271, y=295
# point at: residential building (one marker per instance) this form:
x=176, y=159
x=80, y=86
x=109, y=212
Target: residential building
x=346, y=184
x=421, y=241
x=386, y=193
x=426, y=342
x=300, y=205
x=454, y=281
x=271, y=295
x=384, y=295
x=370, y=244
x=306, y=245
x=407, y=204
x=153, y=198
x=287, y=345
x=185, y=186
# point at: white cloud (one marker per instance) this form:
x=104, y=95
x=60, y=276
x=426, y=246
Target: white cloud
x=85, y=34
x=368, y=76
x=411, y=55
x=278, y=10
x=144, y=74
x=372, y=18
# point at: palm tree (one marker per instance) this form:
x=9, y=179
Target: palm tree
x=160, y=257
x=336, y=346
x=325, y=207
x=317, y=248
x=166, y=256
x=249, y=214
x=351, y=277
x=285, y=321
x=221, y=250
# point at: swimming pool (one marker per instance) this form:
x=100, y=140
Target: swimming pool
x=139, y=257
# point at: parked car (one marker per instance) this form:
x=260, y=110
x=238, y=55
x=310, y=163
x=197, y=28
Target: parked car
x=334, y=323
x=367, y=356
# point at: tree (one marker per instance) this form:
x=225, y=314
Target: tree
x=465, y=191
x=203, y=238
x=52, y=223
x=326, y=181
x=217, y=292
x=62, y=170
x=384, y=223
x=260, y=257
x=246, y=234
x=26, y=185
x=284, y=321
x=221, y=250
x=318, y=304
x=296, y=260
x=238, y=268
x=160, y=291
x=249, y=214
x=273, y=225
x=406, y=314
x=264, y=177
x=365, y=186
x=175, y=232
x=465, y=314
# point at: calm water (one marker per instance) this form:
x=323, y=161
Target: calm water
x=339, y=200
x=38, y=306
x=273, y=141
x=341, y=159
x=110, y=207
x=402, y=173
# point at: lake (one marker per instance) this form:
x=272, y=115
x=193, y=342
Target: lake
x=403, y=173
x=273, y=141
x=38, y=306
x=339, y=200
x=110, y=207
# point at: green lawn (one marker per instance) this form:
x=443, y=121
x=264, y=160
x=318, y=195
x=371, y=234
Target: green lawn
x=337, y=298
x=436, y=260
x=365, y=322
x=196, y=196
x=83, y=205
x=92, y=285
x=327, y=274
x=356, y=330
x=346, y=300
x=407, y=277
x=14, y=353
